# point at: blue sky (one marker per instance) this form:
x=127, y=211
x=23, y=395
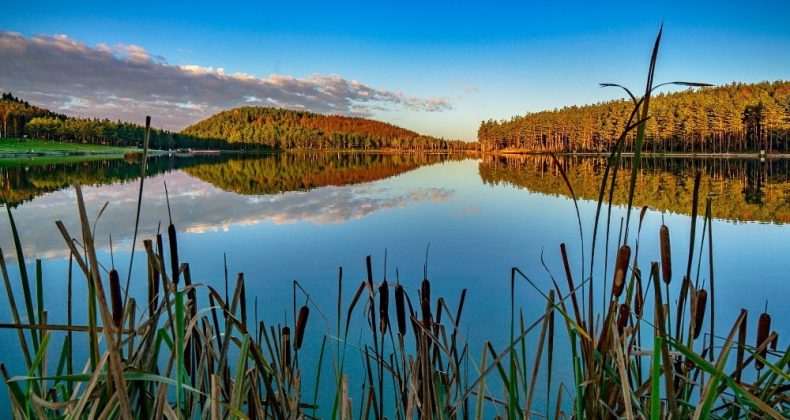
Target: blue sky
x=475, y=60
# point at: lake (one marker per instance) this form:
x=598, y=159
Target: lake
x=299, y=216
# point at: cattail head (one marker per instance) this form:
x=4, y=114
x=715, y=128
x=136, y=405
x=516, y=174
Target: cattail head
x=666, y=255
x=384, y=306
x=171, y=238
x=622, y=317
x=775, y=341
x=285, y=347
x=115, y=298
x=425, y=302
x=621, y=266
x=763, y=329
x=301, y=323
x=400, y=308
x=699, y=311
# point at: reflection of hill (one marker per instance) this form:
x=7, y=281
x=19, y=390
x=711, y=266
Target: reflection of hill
x=303, y=171
x=742, y=190
x=26, y=180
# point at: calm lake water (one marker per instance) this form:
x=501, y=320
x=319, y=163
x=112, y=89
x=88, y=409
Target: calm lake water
x=289, y=217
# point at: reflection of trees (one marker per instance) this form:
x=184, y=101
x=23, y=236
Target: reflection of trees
x=242, y=174
x=303, y=171
x=24, y=181
x=744, y=190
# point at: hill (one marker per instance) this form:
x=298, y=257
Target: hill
x=288, y=129
x=737, y=117
x=20, y=119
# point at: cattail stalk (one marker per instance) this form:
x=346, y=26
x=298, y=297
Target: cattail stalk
x=622, y=317
x=285, y=347
x=639, y=299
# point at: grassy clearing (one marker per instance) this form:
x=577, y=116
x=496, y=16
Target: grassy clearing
x=192, y=351
x=34, y=146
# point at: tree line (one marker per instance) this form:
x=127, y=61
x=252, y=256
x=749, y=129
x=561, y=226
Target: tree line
x=21, y=119
x=288, y=129
x=737, y=117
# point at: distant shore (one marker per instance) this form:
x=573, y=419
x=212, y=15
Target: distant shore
x=750, y=155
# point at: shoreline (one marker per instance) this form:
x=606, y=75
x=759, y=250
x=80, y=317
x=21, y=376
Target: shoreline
x=652, y=154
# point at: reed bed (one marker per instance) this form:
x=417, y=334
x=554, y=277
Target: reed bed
x=189, y=350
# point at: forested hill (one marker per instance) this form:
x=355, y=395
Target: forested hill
x=20, y=119
x=732, y=118
x=16, y=113
x=289, y=129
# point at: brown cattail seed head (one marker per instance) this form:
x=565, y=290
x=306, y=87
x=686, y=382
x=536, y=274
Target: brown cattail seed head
x=621, y=266
x=775, y=341
x=622, y=317
x=425, y=302
x=763, y=328
x=301, y=324
x=384, y=305
x=666, y=254
x=400, y=308
x=115, y=298
x=699, y=311
x=171, y=238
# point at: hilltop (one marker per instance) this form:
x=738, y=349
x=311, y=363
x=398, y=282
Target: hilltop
x=290, y=129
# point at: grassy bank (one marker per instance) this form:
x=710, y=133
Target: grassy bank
x=28, y=147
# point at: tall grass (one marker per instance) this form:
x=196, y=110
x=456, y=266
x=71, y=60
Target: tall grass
x=188, y=350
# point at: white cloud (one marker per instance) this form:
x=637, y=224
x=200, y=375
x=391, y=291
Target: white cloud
x=126, y=82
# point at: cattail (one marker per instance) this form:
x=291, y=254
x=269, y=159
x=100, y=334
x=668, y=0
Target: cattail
x=666, y=254
x=384, y=306
x=301, y=323
x=115, y=297
x=285, y=346
x=425, y=302
x=153, y=283
x=622, y=317
x=763, y=328
x=171, y=238
x=639, y=299
x=621, y=266
x=400, y=308
x=775, y=341
x=699, y=312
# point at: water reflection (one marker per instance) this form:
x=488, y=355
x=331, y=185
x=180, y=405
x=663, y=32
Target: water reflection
x=23, y=180
x=740, y=189
x=207, y=194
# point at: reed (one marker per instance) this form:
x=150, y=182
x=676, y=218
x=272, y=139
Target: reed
x=171, y=357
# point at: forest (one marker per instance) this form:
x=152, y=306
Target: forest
x=21, y=119
x=288, y=129
x=733, y=118
x=248, y=128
